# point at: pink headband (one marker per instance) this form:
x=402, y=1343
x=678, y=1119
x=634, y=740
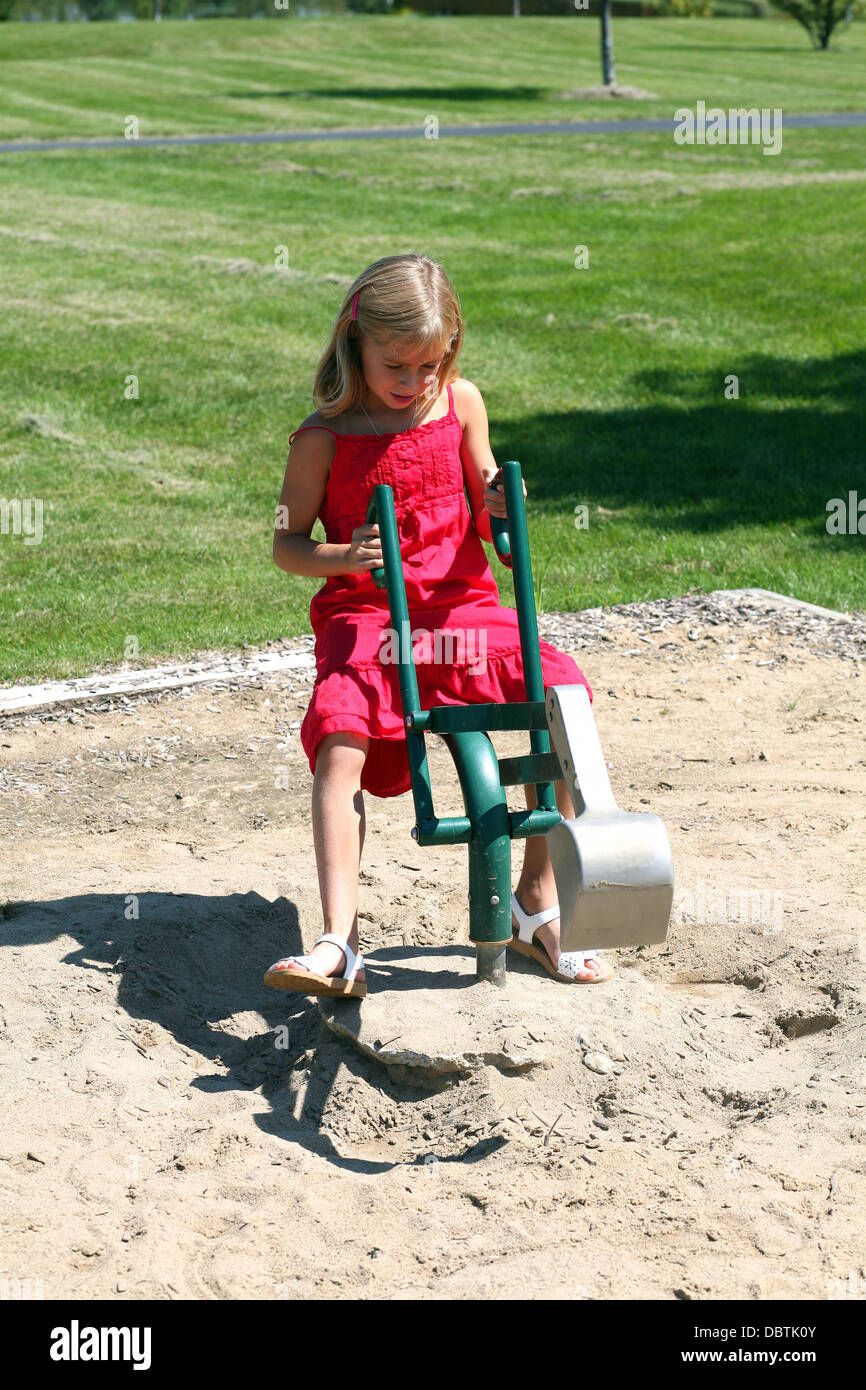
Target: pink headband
x=355, y=304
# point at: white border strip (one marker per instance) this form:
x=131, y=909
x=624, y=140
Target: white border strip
x=766, y=598
x=21, y=699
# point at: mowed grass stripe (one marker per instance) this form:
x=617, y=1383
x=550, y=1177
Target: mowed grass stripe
x=385, y=57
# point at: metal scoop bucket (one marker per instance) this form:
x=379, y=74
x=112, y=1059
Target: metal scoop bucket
x=614, y=869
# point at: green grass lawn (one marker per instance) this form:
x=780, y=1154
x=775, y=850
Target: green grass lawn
x=366, y=70
x=607, y=383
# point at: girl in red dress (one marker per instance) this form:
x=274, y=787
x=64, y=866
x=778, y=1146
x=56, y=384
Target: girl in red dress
x=392, y=408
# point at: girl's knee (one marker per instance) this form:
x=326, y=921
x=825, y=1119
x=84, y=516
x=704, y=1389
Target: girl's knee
x=342, y=749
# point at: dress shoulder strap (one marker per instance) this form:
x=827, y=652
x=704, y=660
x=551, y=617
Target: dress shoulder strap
x=312, y=427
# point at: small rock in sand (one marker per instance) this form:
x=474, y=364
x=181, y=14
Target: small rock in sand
x=596, y=1061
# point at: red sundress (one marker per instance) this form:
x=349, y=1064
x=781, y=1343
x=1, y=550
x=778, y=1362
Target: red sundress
x=449, y=589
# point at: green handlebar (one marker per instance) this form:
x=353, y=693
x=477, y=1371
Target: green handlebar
x=377, y=575
x=498, y=530
x=501, y=540
x=499, y=527
x=513, y=541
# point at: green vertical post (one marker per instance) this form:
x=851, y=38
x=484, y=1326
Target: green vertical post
x=511, y=537
x=380, y=509
x=489, y=851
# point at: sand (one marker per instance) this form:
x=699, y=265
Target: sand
x=172, y=1128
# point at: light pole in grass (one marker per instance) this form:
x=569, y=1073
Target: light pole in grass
x=608, y=72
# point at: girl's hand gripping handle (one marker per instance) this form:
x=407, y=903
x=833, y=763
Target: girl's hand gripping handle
x=499, y=524
x=369, y=546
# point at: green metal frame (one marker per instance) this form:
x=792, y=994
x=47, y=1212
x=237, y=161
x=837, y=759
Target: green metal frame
x=488, y=827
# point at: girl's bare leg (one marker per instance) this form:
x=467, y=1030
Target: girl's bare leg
x=338, y=835
x=536, y=888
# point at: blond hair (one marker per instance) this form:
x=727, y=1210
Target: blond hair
x=405, y=299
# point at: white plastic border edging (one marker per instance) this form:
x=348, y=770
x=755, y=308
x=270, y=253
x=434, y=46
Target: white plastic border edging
x=21, y=699
x=766, y=598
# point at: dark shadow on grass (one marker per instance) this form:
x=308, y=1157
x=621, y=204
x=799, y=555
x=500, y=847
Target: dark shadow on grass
x=694, y=461
x=384, y=93
x=190, y=964
x=714, y=47
x=730, y=47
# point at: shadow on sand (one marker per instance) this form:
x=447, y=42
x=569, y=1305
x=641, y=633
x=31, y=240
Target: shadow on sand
x=191, y=965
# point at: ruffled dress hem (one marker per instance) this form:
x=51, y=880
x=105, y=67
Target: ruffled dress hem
x=364, y=698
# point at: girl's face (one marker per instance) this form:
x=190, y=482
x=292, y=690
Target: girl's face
x=396, y=375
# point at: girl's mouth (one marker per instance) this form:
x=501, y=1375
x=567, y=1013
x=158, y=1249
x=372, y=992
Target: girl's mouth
x=404, y=400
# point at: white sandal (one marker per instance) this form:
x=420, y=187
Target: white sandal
x=309, y=981
x=570, y=962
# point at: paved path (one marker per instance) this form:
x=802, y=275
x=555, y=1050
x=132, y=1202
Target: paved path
x=834, y=118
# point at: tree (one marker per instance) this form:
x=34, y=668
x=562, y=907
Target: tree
x=819, y=17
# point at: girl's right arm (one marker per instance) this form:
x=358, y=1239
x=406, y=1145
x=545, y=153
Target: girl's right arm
x=310, y=456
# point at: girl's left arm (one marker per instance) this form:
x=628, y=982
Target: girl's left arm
x=479, y=465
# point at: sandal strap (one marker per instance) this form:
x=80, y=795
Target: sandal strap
x=572, y=962
x=305, y=961
x=353, y=962
x=528, y=925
